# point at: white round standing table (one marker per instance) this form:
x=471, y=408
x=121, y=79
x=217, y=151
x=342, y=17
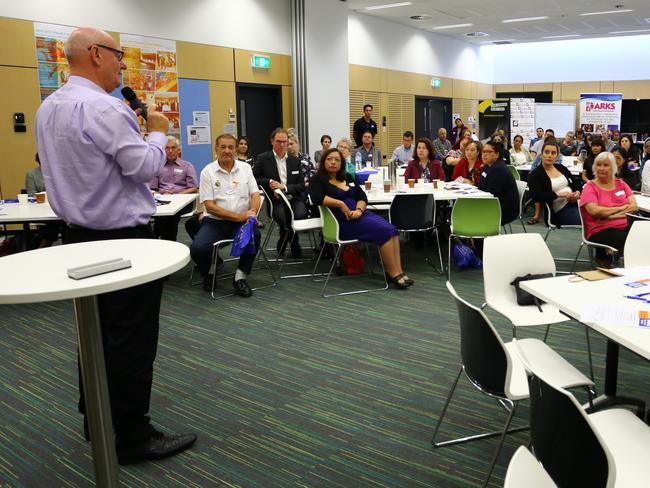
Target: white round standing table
x=41, y=276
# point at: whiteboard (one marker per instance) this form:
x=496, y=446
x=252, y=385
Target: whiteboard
x=561, y=117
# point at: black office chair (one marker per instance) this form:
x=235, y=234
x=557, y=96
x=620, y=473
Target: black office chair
x=416, y=213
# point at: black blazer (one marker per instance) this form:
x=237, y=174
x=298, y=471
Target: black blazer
x=499, y=181
x=539, y=183
x=319, y=189
x=266, y=168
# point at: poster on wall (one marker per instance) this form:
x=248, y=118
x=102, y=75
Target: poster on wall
x=152, y=74
x=600, y=111
x=493, y=114
x=522, y=119
x=53, y=68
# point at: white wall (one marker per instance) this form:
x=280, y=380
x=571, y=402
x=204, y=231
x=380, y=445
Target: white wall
x=328, y=83
x=262, y=25
x=613, y=58
x=382, y=44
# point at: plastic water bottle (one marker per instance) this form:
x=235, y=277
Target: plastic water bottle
x=583, y=156
x=357, y=160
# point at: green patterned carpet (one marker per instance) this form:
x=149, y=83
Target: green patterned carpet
x=284, y=389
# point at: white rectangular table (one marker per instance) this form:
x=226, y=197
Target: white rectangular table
x=41, y=212
x=449, y=192
x=568, y=161
x=572, y=297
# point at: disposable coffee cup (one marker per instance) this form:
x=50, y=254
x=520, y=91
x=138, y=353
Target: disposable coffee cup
x=22, y=198
x=368, y=185
x=411, y=183
x=386, y=186
x=41, y=197
x=436, y=184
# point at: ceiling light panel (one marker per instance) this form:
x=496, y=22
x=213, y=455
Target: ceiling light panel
x=524, y=19
x=388, y=5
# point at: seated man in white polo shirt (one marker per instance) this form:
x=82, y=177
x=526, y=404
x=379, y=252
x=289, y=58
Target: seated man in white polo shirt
x=230, y=195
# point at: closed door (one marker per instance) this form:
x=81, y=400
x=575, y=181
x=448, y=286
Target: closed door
x=260, y=111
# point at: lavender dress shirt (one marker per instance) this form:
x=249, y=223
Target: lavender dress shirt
x=174, y=177
x=95, y=164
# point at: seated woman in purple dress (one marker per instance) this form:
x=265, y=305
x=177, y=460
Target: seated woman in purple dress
x=334, y=188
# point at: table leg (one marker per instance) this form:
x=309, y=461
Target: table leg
x=98, y=408
x=609, y=398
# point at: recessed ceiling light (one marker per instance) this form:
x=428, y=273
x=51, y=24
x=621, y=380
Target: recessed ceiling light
x=559, y=37
x=500, y=43
x=524, y=19
x=418, y=18
x=630, y=31
x=388, y=5
x=477, y=34
x=619, y=11
x=453, y=26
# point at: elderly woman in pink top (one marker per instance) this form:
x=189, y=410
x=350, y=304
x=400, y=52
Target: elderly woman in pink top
x=603, y=204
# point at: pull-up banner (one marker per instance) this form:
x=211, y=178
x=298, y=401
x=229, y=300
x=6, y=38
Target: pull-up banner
x=600, y=111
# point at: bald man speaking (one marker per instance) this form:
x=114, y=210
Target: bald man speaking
x=96, y=168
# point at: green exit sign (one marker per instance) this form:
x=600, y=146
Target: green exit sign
x=435, y=82
x=261, y=62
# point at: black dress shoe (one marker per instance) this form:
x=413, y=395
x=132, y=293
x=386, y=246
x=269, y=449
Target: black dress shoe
x=242, y=289
x=207, y=282
x=156, y=446
x=296, y=252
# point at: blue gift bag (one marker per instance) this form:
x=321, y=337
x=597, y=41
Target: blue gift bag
x=244, y=240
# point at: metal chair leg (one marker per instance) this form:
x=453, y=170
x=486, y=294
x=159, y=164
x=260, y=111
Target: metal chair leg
x=573, y=267
x=444, y=409
x=498, y=449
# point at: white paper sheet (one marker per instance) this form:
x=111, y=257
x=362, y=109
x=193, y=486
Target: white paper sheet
x=616, y=316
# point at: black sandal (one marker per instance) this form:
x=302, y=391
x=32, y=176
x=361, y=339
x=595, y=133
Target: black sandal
x=400, y=281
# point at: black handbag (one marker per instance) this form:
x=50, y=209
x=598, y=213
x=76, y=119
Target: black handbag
x=525, y=298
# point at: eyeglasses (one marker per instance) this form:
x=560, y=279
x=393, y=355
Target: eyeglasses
x=487, y=151
x=281, y=142
x=118, y=54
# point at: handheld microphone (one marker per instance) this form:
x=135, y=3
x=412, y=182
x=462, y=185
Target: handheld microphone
x=134, y=102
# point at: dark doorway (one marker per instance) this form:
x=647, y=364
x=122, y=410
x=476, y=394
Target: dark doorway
x=260, y=111
x=430, y=115
x=540, y=97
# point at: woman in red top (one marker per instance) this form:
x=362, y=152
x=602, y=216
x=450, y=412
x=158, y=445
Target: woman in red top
x=422, y=167
x=470, y=166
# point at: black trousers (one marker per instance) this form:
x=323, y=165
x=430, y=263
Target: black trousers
x=282, y=216
x=611, y=237
x=129, y=326
x=167, y=227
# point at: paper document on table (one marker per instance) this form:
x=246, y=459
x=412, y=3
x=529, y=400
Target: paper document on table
x=608, y=315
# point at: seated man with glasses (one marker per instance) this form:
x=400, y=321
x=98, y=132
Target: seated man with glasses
x=497, y=179
x=274, y=170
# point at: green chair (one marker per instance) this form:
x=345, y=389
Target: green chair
x=331, y=236
x=475, y=218
x=514, y=172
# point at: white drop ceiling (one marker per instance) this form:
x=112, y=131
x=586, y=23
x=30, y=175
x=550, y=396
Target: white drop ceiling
x=564, y=20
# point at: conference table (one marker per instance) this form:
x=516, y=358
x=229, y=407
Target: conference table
x=446, y=191
x=575, y=298
x=29, y=213
x=572, y=163
x=41, y=275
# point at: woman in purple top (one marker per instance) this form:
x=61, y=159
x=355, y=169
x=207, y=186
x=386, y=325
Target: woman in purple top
x=423, y=167
x=334, y=188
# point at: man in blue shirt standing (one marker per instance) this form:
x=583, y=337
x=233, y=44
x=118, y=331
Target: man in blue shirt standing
x=96, y=168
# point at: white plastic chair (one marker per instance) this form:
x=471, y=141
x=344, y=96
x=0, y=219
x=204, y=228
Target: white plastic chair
x=298, y=227
x=552, y=227
x=522, y=186
x=495, y=369
x=506, y=257
x=636, y=245
x=607, y=448
x=590, y=245
x=525, y=471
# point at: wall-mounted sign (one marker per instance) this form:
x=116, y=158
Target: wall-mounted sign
x=435, y=82
x=260, y=62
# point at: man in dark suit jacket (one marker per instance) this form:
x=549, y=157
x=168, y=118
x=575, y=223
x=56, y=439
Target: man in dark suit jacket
x=277, y=170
